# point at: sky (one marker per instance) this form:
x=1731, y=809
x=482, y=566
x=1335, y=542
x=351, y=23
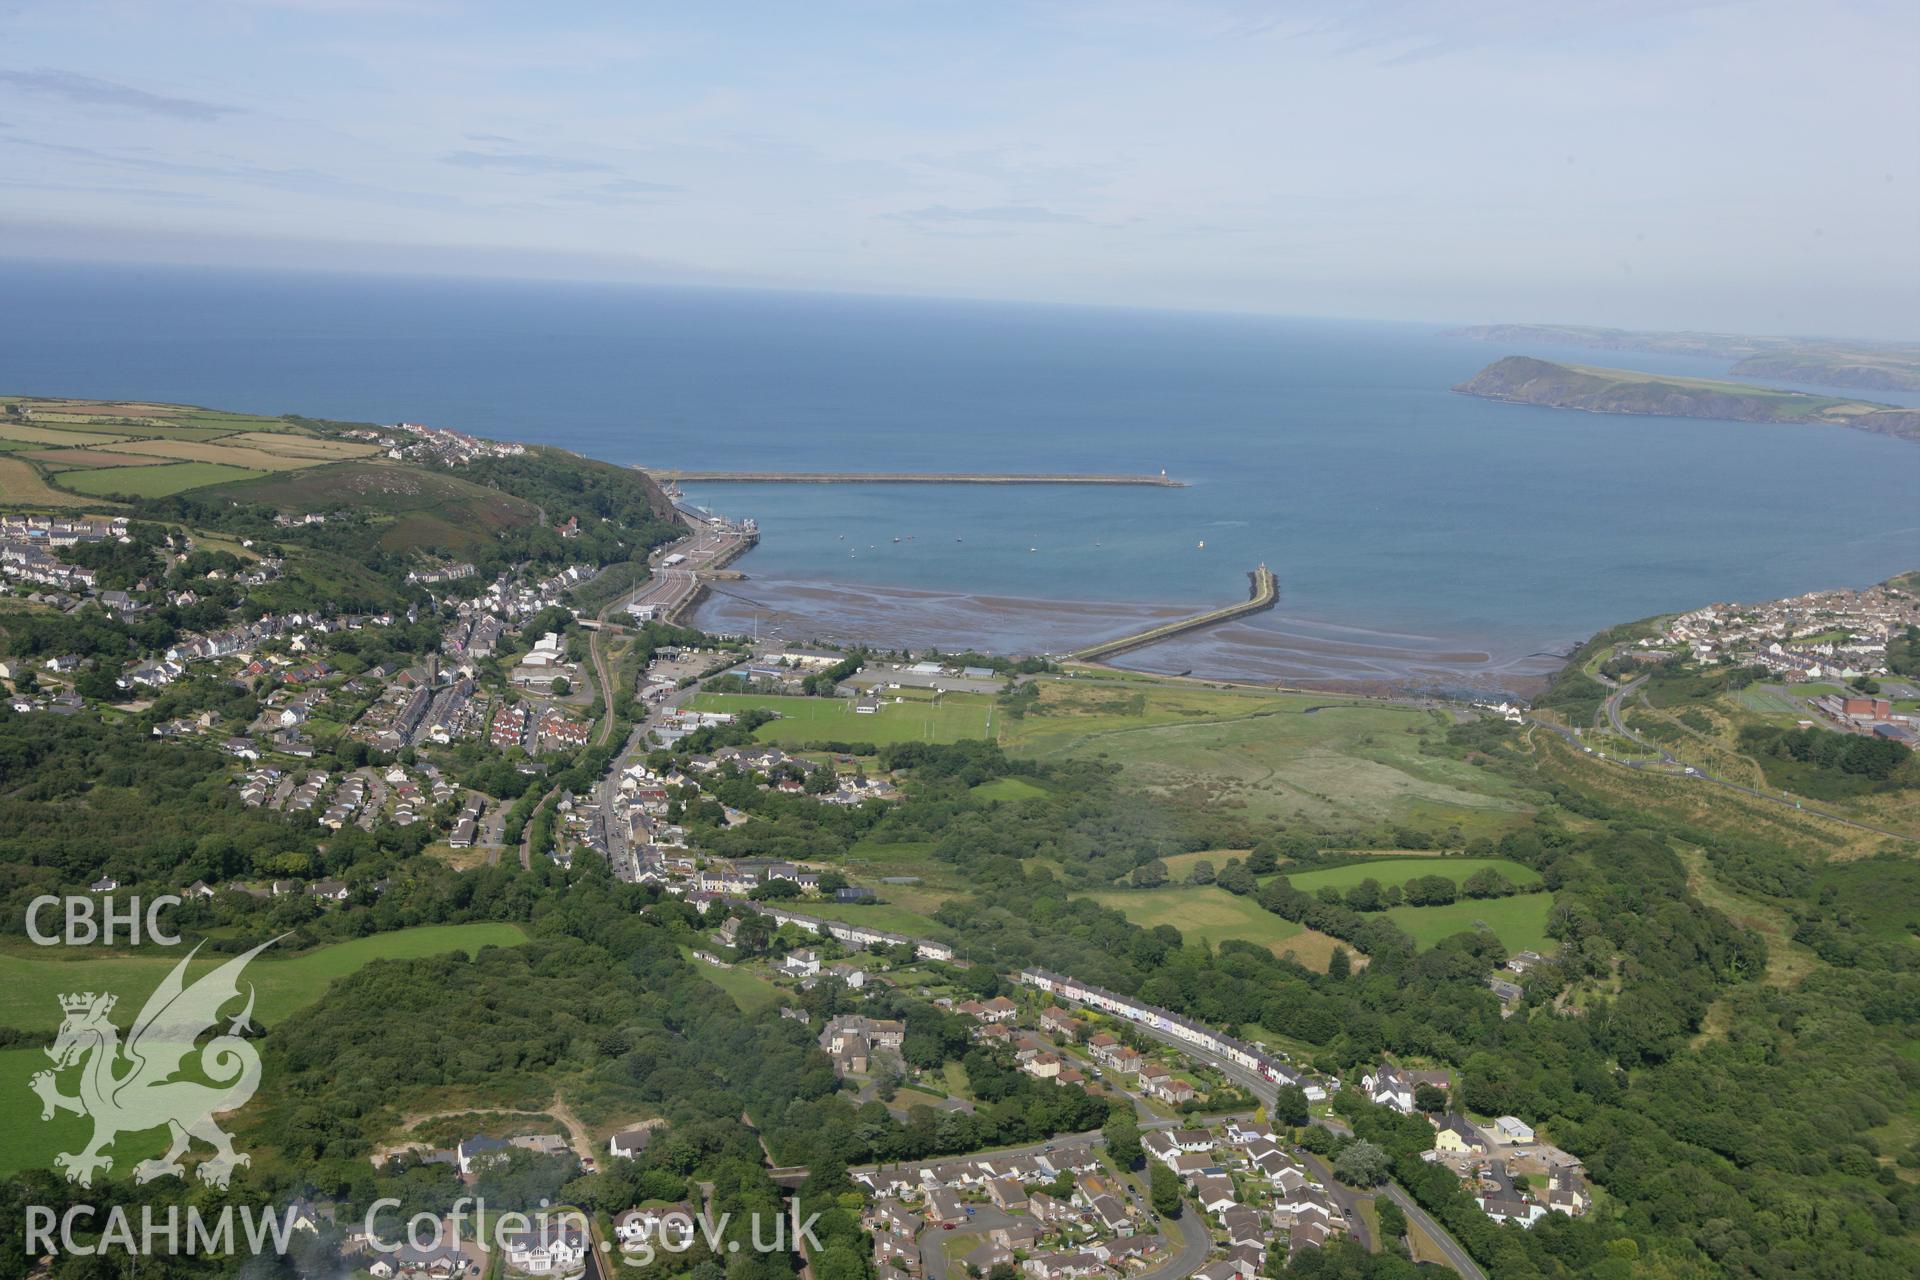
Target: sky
x=1748, y=165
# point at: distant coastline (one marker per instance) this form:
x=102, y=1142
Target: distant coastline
x=1829, y=362
x=1526, y=380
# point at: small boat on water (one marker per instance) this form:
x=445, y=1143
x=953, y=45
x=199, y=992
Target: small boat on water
x=1033, y=548
x=1202, y=546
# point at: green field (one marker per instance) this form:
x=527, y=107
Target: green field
x=1390, y=871
x=1323, y=759
x=957, y=716
x=1008, y=789
x=1202, y=913
x=892, y=917
x=153, y=482
x=31, y=983
x=31, y=986
x=1519, y=922
x=748, y=991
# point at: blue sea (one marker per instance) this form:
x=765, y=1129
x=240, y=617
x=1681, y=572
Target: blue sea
x=1419, y=535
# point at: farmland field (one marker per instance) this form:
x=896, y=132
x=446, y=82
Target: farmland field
x=154, y=482
x=1209, y=914
x=53, y=436
x=31, y=984
x=1389, y=871
x=1519, y=922
x=956, y=716
x=1202, y=913
x=73, y=459
x=298, y=446
x=235, y=455
x=19, y=482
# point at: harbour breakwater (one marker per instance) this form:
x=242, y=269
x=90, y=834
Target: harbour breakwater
x=1264, y=592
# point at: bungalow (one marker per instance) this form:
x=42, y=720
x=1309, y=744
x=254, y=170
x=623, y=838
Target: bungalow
x=1269, y=1162
x=986, y=1257
x=1064, y=1266
x=1510, y=1208
x=1192, y=1165
x=1214, y=1191
x=1122, y=1250
x=1079, y=1158
x=1244, y=1225
x=630, y=1144
x=1192, y=1139
x=1160, y=1146
x=672, y=1225
x=1248, y=1259
x=439, y=1262
x=1109, y=1212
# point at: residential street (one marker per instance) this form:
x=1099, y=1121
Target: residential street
x=1457, y=1257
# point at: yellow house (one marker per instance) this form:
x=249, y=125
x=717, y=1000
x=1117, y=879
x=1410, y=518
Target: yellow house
x=1458, y=1138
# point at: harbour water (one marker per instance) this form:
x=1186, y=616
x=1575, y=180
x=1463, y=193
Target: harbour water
x=1419, y=536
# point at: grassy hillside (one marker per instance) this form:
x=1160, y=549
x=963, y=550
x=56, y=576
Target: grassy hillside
x=415, y=506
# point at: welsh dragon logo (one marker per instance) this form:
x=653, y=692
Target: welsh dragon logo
x=134, y=1087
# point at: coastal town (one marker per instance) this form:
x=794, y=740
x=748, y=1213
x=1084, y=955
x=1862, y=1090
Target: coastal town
x=1852, y=658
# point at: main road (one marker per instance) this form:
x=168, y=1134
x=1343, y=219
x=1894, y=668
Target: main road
x=1672, y=766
